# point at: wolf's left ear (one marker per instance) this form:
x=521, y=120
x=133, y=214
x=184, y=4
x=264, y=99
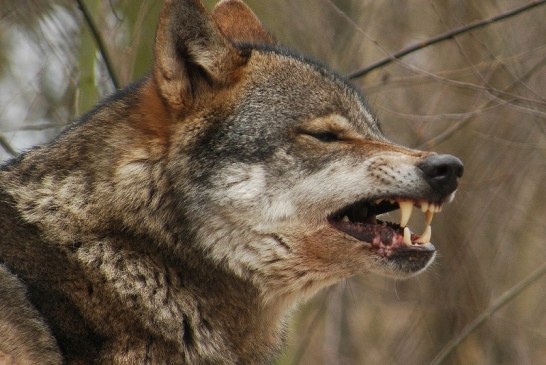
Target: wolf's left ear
x=190, y=51
x=240, y=24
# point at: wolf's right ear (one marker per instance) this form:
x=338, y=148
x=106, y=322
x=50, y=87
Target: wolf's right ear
x=189, y=51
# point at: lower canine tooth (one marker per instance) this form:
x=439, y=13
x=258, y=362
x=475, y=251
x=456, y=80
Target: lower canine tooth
x=428, y=217
x=425, y=237
x=345, y=219
x=407, y=236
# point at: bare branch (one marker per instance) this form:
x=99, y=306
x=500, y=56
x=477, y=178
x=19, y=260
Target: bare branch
x=435, y=76
x=100, y=42
x=6, y=145
x=461, y=124
x=442, y=37
x=38, y=127
x=450, y=74
x=506, y=297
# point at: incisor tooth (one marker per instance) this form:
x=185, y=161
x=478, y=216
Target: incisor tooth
x=407, y=236
x=435, y=208
x=425, y=237
x=406, y=208
x=424, y=207
x=428, y=217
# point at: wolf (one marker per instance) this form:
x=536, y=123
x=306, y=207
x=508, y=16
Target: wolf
x=184, y=218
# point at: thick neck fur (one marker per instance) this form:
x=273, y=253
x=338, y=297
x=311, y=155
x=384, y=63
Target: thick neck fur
x=107, y=209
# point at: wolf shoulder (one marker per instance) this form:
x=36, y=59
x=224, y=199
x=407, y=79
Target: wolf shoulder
x=24, y=337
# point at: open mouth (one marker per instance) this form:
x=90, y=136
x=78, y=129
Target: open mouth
x=359, y=220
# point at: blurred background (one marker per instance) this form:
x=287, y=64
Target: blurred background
x=479, y=95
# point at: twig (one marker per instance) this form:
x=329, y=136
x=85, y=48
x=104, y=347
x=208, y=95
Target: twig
x=506, y=297
x=100, y=42
x=442, y=37
x=461, y=124
x=6, y=145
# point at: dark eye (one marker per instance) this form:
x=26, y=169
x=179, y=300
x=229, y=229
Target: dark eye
x=324, y=136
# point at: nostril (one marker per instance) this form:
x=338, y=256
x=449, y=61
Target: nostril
x=441, y=166
x=442, y=172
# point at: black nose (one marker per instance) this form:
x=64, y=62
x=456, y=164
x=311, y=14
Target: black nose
x=442, y=172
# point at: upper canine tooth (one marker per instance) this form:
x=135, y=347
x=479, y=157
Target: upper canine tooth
x=406, y=208
x=407, y=236
x=425, y=237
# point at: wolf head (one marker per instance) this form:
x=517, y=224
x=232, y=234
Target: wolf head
x=279, y=161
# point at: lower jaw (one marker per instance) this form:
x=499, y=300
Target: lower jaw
x=413, y=252
x=385, y=238
x=406, y=264
x=398, y=258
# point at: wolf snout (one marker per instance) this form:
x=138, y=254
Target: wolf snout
x=442, y=172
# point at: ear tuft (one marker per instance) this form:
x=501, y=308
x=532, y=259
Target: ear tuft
x=189, y=51
x=239, y=24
